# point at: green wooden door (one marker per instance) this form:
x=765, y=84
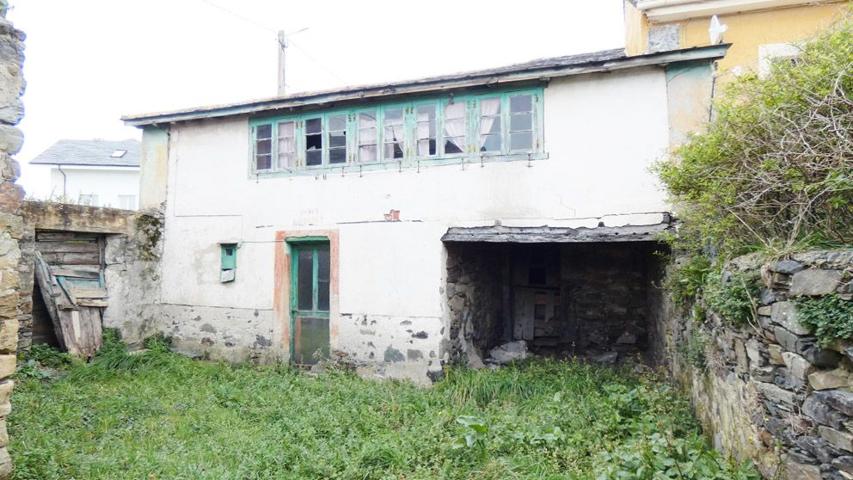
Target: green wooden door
x=309, y=302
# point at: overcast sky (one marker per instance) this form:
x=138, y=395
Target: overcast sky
x=88, y=62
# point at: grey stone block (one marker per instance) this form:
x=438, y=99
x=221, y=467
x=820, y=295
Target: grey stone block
x=787, y=266
x=841, y=400
x=785, y=314
x=838, y=439
x=815, y=282
x=816, y=408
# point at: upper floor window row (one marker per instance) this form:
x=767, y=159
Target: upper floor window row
x=505, y=123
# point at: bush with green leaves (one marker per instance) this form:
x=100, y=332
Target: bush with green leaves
x=830, y=317
x=775, y=168
x=685, y=280
x=732, y=295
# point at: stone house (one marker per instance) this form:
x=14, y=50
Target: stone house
x=405, y=225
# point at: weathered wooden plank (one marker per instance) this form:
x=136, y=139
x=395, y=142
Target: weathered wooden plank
x=92, y=302
x=91, y=269
x=68, y=247
x=50, y=236
x=63, y=284
x=91, y=258
x=88, y=292
x=74, y=272
x=45, y=283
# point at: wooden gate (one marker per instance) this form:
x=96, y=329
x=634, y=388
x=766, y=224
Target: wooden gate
x=69, y=269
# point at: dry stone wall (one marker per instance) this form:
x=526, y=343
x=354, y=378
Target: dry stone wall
x=11, y=138
x=768, y=391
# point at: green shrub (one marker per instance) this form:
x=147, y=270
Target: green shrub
x=48, y=356
x=773, y=170
x=732, y=295
x=684, y=281
x=830, y=317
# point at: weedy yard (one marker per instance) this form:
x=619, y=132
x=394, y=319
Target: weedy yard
x=158, y=415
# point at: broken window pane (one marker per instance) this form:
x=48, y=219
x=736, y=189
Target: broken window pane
x=338, y=139
x=426, y=130
x=393, y=133
x=322, y=279
x=367, y=137
x=305, y=277
x=286, y=145
x=490, y=125
x=263, y=147
x=455, y=128
x=521, y=123
x=314, y=141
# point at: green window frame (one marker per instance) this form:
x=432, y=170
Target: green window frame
x=227, y=262
x=494, y=125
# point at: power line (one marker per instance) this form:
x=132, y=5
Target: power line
x=275, y=31
x=318, y=63
x=239, y=16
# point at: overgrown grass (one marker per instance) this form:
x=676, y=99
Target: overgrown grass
x=158, y=415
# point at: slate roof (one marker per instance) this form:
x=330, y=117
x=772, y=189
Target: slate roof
x=90, y=152
x=605, y=60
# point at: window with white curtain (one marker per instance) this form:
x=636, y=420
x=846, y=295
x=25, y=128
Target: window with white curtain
x=490, y=125
x=494, y=124
x=455, y=127
x=287, y=145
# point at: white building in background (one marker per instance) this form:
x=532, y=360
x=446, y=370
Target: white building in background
x=101, y=173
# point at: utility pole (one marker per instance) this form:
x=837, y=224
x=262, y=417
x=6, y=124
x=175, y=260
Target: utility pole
x=282, y=49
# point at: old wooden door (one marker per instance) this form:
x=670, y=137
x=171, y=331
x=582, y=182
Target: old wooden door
x=310, y=302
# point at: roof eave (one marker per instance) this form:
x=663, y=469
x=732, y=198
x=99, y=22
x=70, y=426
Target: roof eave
x=707, y=53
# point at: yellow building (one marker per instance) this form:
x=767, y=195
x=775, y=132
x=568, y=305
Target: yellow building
x=760, y=31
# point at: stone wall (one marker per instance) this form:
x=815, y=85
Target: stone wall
x=11, y=139
x=475, y=274
x=131, y=252
x=610, y=294
x=768, y=392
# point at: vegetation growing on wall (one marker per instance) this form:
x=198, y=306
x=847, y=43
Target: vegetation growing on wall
x=732, y=295
x=149, y=229
x=775, y=168
x=773, y=173
x=829, y=317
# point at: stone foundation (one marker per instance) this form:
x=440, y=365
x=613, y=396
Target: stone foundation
x=768, y=392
